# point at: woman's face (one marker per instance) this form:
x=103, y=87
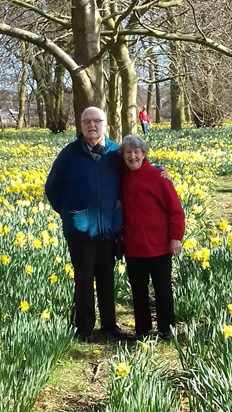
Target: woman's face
x=133, y=157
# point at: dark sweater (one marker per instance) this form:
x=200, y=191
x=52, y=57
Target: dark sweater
x=83, y=189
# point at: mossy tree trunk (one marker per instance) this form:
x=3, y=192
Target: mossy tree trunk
x=22, y=87
x=114, y=103
x=87, y=83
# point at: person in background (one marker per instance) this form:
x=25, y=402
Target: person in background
x=144, y=119
x=153, y=229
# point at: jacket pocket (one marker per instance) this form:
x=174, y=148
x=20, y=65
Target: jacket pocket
x=79, y=220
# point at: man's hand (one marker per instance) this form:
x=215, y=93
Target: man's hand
x=175, y=247
x=164, y=173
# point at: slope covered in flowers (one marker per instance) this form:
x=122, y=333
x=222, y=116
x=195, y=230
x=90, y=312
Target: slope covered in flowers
x=36, y=276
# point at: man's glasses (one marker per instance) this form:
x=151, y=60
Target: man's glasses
x=95, y=121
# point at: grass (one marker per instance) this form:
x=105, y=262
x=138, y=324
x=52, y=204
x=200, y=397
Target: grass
x=79, y=381
x=222, y=199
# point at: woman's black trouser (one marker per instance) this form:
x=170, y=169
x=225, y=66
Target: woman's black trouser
x=139, y=271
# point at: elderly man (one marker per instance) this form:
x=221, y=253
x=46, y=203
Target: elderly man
x=82, y=187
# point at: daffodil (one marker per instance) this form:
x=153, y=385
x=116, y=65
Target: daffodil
x=121, y=268
x=5, y=260
x=28, y=269
x=53, y=241
x=215, y=241
x=53, y=278
x=122, y=369
x=52, y=226
x=58, y=259
x=223, y=225
x=229, y=307
x=97, y=352
x=142, y=345
x=131, y=323
x=37, y=244
x=190, y=243
x=227, y=331
x=24, y=306
x=46, y=314
x=68, y=268
x=205, y=264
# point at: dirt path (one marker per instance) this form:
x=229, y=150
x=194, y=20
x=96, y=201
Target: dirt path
x=222, y=199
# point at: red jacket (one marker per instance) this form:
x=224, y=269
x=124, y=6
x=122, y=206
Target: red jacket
x=153, y=214
x=143, y=116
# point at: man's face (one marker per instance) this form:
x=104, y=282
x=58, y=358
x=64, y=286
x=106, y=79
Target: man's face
x=92, y=125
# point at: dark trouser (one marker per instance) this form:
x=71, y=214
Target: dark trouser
x=93, y=259
x=144, y=127
x=159, y=268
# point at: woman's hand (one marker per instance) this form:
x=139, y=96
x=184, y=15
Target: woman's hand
x=175, y=247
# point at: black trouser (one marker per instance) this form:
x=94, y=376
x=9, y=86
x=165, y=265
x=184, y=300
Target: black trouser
x=160, y=269
x=93, y=259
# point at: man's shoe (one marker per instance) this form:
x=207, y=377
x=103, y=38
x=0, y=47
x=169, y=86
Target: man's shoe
x=84, y=337
x=115, y=332
x=165, y=336
x=142, y=335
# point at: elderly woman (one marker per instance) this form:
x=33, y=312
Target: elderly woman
x=153, y=229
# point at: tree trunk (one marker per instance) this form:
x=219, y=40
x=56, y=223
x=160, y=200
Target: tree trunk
x=114, y=104
x=40, y=109
x=87, y=83
x=129, y=87
x=22, y=88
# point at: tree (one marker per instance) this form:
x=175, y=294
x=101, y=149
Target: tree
x=91, y=37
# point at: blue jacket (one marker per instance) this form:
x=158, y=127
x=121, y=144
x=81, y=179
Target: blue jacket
x=84, y=190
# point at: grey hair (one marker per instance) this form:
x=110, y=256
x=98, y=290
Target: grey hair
x=134, y=141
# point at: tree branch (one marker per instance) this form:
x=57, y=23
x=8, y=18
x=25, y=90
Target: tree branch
x=64, y=23
x=195, y=19
x=174, y=37
x=44, y=43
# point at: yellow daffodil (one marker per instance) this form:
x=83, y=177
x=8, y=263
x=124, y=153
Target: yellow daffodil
x=227, y=331
x=122, y=369
x=205, y=264
x=53, y=241
x=121, y=268
x=131, y=323
x=58, y=259
x=52, y=226
x=97, y=352
x=223, y=225
x=46, y=314
x=190, y=243
x=229, y=307
x=37, y=244
x=53, y=278
x=68, y=268
x=5, y=260
x=28, y=269
x=24, y=306
x=142, y=345
x=31, y=221
x=205, y=253
x=215, y=241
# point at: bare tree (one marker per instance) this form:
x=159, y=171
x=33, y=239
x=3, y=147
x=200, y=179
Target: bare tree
x=94, y=29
